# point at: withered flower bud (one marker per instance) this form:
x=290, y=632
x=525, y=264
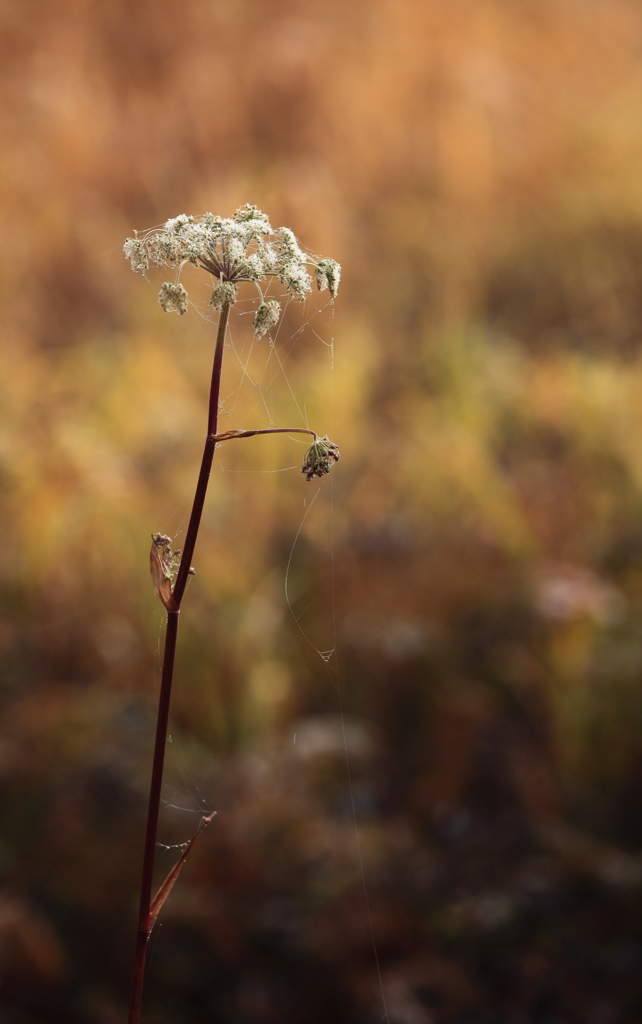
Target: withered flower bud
x=266, y=316
x=224, y=294
x=173, y=298
x=319, y=458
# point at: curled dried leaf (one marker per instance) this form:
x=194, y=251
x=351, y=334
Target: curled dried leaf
x=169, y=882
x=163, y=564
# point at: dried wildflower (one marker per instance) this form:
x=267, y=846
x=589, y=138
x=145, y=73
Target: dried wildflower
x=224, y=294
x=242, y=248
x=266, y=316
x=319, y=458
x=173, y=298
x=328, y=275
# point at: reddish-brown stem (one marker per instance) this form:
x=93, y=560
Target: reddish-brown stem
x=144, y=919
x=142, y=934
x=206, y=462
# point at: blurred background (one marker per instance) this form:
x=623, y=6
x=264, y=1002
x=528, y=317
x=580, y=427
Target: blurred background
x=466, y=586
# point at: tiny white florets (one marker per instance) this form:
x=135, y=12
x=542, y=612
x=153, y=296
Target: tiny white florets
x=289, y=245
x=249, y=212
x=136, y=254
x=173, y=298
x=242, y=248
x=234, y=250
x=176, y=224
x=296, y=279
x=253, y=267
x=269, y=258
x=266, y=316
x=166, y=249
x=224, y=294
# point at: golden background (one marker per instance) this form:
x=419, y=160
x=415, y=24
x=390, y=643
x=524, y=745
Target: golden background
x=474, y=562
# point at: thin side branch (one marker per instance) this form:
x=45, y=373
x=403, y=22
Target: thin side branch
x=229, y=435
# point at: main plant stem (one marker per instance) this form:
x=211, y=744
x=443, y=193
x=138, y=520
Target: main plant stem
x=144, y=919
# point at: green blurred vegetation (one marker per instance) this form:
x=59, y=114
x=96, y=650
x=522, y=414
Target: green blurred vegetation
x=475, y=559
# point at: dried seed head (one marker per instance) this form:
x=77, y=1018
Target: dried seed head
x=224, y=294
x=266, y=316
x=244, y=247
x=319, y=458
x=173, y=298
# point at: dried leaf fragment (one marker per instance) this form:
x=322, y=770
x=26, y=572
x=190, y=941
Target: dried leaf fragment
x=163, y=563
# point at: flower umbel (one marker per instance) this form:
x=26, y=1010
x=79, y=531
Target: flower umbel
x=319, y=458
x=242, y=248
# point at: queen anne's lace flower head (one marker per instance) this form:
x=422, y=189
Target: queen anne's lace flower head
x=242, y=248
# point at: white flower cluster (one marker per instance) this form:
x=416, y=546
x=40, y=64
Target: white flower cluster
x=232, y=249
